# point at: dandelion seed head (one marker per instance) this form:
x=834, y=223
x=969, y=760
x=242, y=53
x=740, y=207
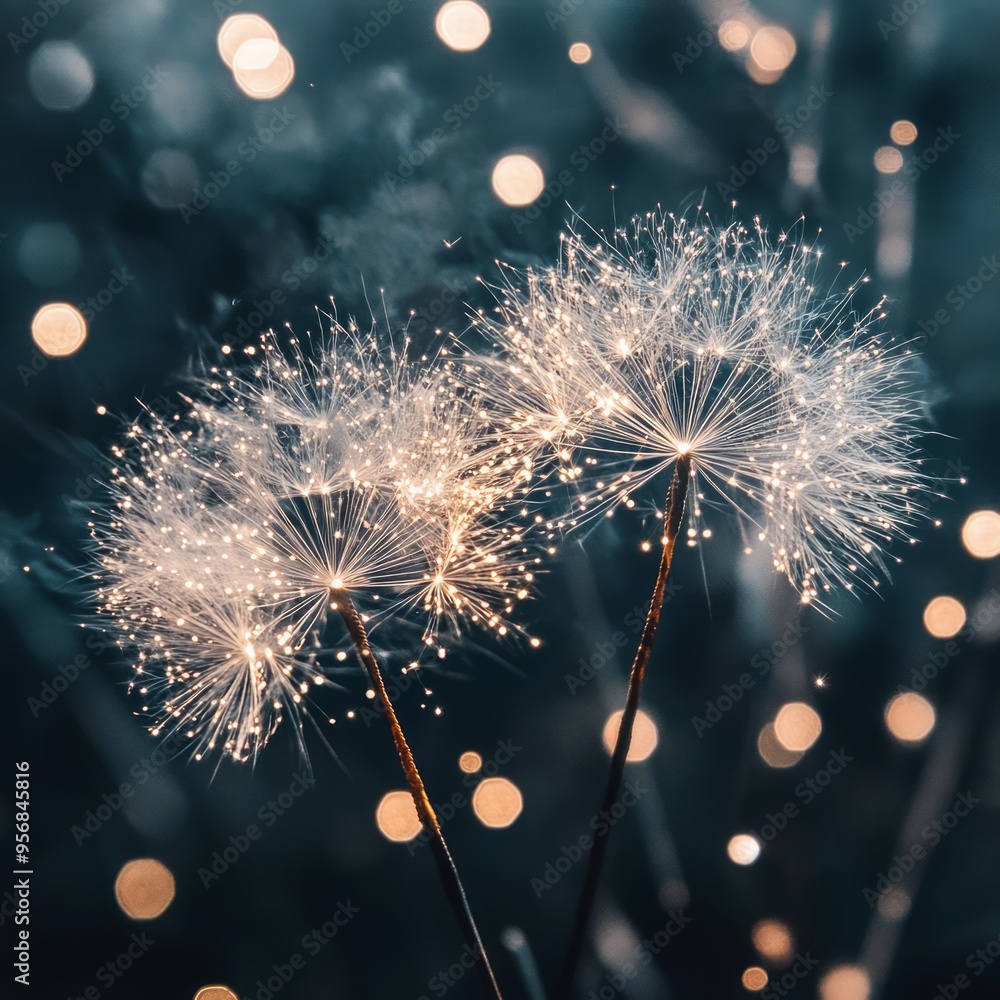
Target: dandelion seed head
x=336, y=466
x=796, y=414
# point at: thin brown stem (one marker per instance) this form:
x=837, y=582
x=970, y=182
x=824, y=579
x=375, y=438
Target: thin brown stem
x=672, y=517
x=453, y=887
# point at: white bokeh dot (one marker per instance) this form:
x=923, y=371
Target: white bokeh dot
x=60, y=76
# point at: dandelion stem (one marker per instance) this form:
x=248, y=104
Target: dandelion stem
x=672, y=517
x=453, y=887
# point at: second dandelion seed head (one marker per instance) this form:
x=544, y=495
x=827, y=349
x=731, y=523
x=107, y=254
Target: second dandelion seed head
x=680, y=339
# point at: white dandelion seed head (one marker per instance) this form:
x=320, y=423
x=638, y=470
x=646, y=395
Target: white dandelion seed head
x=334, y=467
x=683, y=338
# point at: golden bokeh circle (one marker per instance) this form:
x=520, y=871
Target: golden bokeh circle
x=462, y=25
x=497, y=802
x=240, y=28
x=944, y=617
x=396, y=817
x=645, y=735
x=981, y=534
x=215, y=992
x=144, y=888
x=58, y=329
x=754, y=979
x=909, y=717
x=797, y=726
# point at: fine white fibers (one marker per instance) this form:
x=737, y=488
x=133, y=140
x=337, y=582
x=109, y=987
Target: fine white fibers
x=333, y=467
x=679, y=337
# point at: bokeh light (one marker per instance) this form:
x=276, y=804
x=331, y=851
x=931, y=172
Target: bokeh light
x=803, y=164
x=517, y=180
x=845, y=982
x=470, y=762
x=981, y=534
x=909, y=717
x=497, y=802
x=903, y=132
x=462, y=25
x=797, y=726
x=734, y=35
x=888, y=160
x=644, y=735
x=754, y=979
x=170, y=178
x=894, y=903
x=48, y=254
x=772, y=50
x=743, y=849
x=58, y=329
x=397, y=818
x=60, y=76
x=772, y=752
x=263, y=68
x=215, y=993
x=944, y=617
x=773, y=941
x=240, y=28
x=144, y=888
x=580, y=52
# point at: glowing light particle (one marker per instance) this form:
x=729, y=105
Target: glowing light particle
x=944, y=617
x=797, y=726
x=497, y=802
x=144, y=888
x=396, y=816
x=645, y=736
x=462, y=25
x=981, y=534
x=909, y=717
x=58, y=329
x=743, y=849
x=517, y=180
